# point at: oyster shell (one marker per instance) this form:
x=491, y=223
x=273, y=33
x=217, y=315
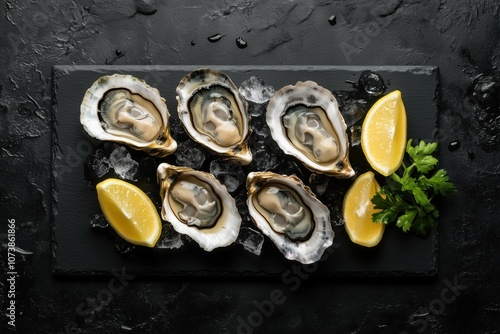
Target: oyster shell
x=215, y=114
x=289, y=213
x=196, y=204
x=306, y=122
x=124, y=109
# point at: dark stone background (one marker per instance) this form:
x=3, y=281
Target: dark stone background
x=461, y=38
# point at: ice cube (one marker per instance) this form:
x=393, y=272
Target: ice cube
x=355, y=135
x=118, y=154
x=189, y=155
x=231, y=183
x=228, y=173
x=126, y=169
x=123, y=164
x=251, y=240
x=255, y=90
x=256, y=109
x=353, y=111
x=371, y=83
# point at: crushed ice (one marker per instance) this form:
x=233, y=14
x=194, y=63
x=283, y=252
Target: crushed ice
x=189, y=156
x=100, y=163
x=119, y=160
x=98, y=220
x=267, y=160
x=169, y=239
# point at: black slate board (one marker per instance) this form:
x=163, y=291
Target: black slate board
x=80, y=250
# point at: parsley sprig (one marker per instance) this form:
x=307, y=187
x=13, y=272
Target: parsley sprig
x=407, y=199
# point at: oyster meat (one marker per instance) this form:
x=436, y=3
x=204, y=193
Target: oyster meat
x=215, y=114
x=306, y=122
x=289, y=213
x=124, y=109
x=198, y=205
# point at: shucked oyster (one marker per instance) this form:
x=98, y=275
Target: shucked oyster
x=215, y=114
x=196, y=204
x=306, y=122
x=124, y=109
x=289, y=213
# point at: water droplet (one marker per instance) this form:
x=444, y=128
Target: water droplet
x=214, y=38
x=332, y=20
x=193, y=43
x=471, y=155
x=145, y=7
x=454, y=145
x=118, y=53
x=485, y=92
x=241, y=43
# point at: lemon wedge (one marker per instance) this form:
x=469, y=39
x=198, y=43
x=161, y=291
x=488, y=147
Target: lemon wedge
x=129, y=211
x=358, y=209
x=383, y=134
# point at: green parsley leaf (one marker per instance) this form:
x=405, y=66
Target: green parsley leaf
x=438, y=182
x=390, y=204
x=405, y=221
x=410, y=185
x=422, y=155
x=424, y=223
x=406, y=199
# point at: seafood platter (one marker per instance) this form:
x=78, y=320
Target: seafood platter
x=247, y=167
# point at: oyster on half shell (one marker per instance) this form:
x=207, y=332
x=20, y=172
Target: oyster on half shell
x=198, y=205
x=306, y=122
x=215, y=114
x=289, y=213
x=124, y=109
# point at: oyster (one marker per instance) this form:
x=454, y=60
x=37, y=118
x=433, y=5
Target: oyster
x=196, y=204
x=215, y=114
x=306, y=122
x=124, y=109
x=289, y=213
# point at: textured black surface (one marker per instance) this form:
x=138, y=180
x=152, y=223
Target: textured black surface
x=461, y=38
x=80, y=250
